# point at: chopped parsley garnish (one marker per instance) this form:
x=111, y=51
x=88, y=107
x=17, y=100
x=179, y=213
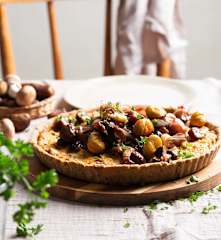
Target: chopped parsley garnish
x=141, y=141
x=59, y=118
x=153, y=205
x=124, y=147
x=219, y=188
x=195, y=196
x=189, y=145
x=126, y=225
x=192, y=179
x=164, y=208
x=185, y=154
x=139, y=116
x=133, y=108
x=125, y=209
x=210, y=207
x=154, y=121
x=88, y=120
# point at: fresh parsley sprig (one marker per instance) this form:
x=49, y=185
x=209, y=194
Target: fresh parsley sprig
x=13, y=169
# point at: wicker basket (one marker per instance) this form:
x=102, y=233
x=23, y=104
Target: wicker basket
x=36, y=110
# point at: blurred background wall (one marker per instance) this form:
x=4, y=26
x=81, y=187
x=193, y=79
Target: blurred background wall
x=81, y=25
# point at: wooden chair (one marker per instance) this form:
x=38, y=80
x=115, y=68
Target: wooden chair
x=8, y=62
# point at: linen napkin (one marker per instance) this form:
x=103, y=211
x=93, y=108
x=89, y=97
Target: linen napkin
x=149, y=31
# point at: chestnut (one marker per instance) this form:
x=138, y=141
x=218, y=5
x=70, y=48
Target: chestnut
x=143, y=127
x=95, y=143
x=155, y=112
x=153, y=142
x=26, y=96
x=197, y=119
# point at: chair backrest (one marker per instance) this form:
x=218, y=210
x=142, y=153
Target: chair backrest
x=8, y=62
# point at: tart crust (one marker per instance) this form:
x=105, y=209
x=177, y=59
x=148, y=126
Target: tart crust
x=127, y=174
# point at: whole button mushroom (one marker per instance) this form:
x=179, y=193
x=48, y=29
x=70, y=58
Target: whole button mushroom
x=26, y=96
x=12, y=78
x=43, y=90
x=7, y=127
x=13, y=89
x=3, y=87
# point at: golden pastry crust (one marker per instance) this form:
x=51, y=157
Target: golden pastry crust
x=108, y=170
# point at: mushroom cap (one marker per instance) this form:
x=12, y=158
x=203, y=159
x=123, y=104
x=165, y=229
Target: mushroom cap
x=12, y=78
x=13, y=89
x=26, y=96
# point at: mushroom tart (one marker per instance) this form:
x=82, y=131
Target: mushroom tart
x=124, y=145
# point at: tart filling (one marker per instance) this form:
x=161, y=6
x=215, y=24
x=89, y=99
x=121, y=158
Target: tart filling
x=118, y=135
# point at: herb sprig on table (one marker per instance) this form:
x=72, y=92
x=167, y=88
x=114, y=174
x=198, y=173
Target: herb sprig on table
x=14, y=169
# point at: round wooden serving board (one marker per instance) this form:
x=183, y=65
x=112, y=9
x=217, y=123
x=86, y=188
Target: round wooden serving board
x=76, y=190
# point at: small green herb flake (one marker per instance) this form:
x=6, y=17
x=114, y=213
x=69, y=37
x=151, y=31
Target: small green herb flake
x=153, y=205
x=195, y=196
x=133, y=108
x=185, y=154
x=192, y=179
x=88, y=120
x=58, y=118
x=124, y=147
x=141, y=141
x=126, y=225
x=219, y=188
x=164, y=208
x=189, y=145
x=210, y=207
x=139, y=116
x=154, y=121
x=125, y=210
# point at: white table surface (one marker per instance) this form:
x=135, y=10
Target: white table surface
x=64, y=220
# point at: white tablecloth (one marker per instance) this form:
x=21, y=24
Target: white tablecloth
x=65, y=220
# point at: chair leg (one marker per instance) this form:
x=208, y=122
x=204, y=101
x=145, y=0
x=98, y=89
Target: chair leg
x=56, y=52
x=164, y=68
x=7, y=57
x=108, y=36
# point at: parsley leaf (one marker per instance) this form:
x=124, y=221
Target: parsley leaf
x=185, y=154
x=125, y=210
x=195, y=196
x=153, y=205
x=126, y=225
x=15, y=169
x=210, y=207
x=141, y=141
